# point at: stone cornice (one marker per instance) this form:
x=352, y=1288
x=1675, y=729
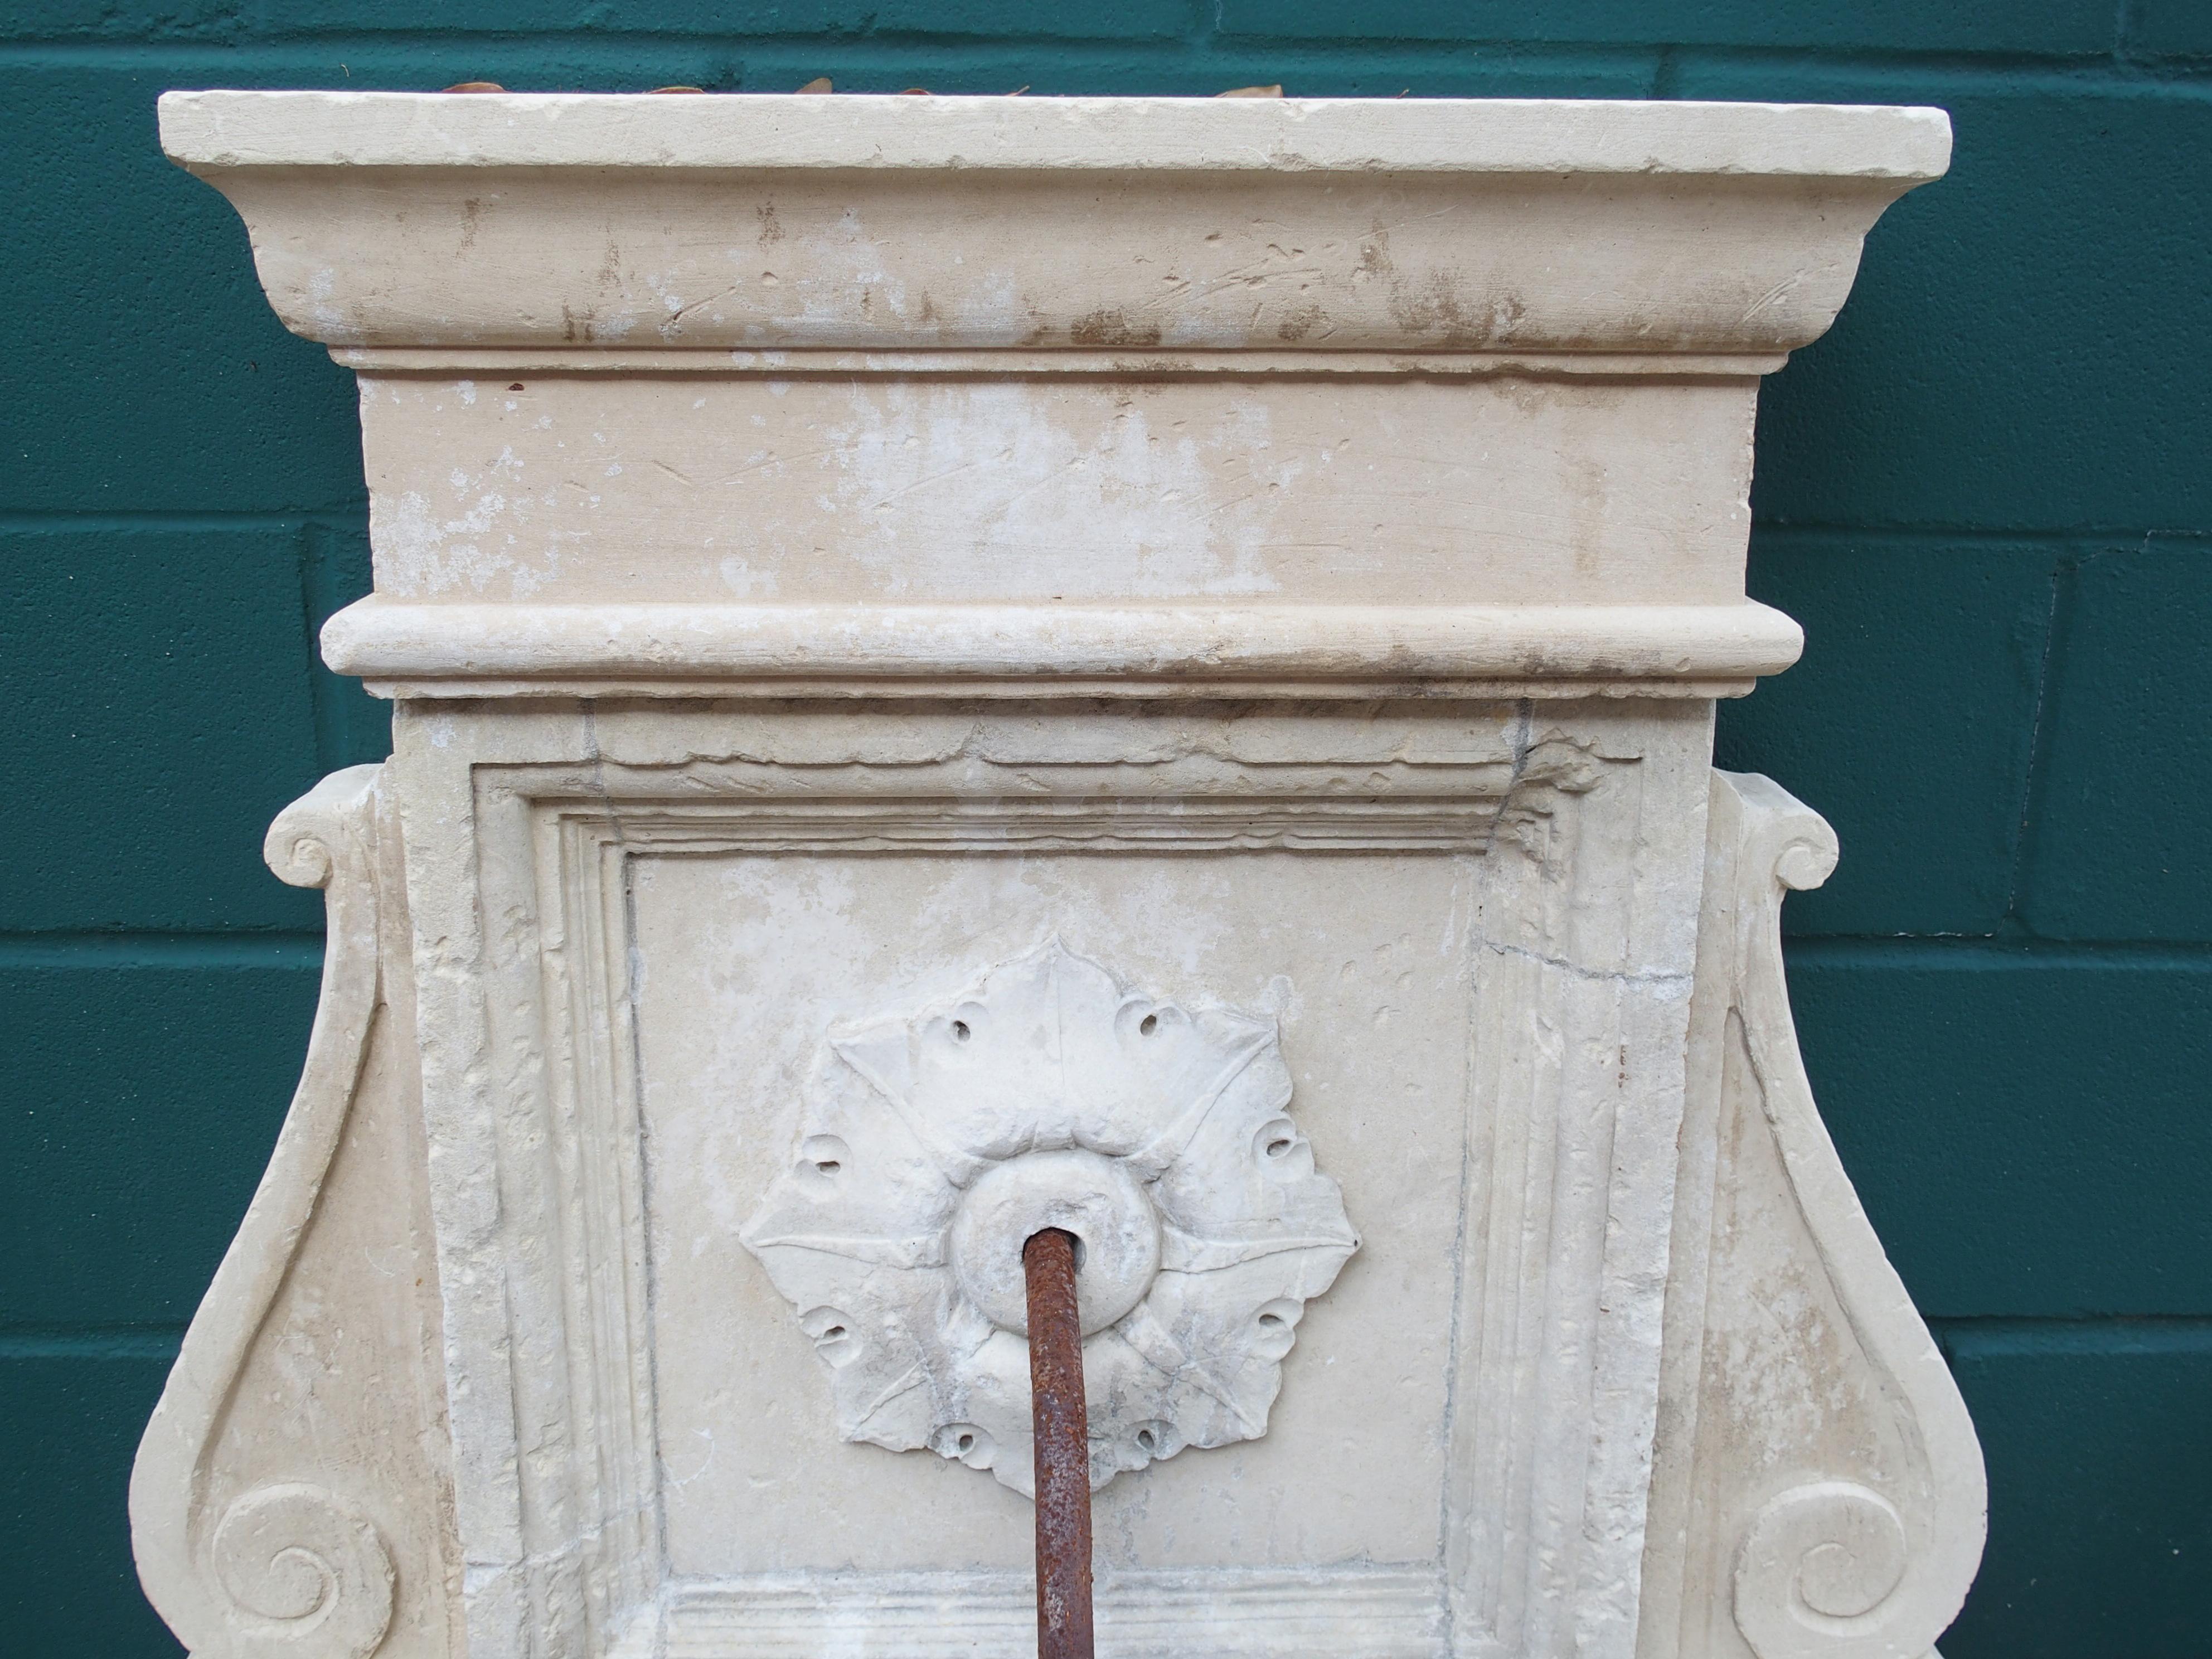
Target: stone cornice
x=797, y=395
x=389, y=220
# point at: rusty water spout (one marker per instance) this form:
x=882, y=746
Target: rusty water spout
x=1060, y=1424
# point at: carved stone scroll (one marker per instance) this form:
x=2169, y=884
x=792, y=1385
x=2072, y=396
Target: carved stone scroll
x=289, y=1500
x=1822, y=1479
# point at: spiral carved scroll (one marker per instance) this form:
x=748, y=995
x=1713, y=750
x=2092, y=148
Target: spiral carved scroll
x=1830, y=1568
x=302, y=1565
x=1817, y=1573
x=291, y=1568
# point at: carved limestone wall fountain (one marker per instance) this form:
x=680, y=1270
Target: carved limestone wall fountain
x=1137, y=666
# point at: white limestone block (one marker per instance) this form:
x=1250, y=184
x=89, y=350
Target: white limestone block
x=1144, y=666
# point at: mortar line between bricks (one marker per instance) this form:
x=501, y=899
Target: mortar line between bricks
x=147, y=1341
x=1897, y=950
x=2068, y=72
x=2002, y=1336
x=2194, y=1322
x=94, y=950
x=2045, y=536
x=942, y=49
x=62, y=522
x=767, y=63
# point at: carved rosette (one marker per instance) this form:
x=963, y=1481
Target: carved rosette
x=1052, y=1095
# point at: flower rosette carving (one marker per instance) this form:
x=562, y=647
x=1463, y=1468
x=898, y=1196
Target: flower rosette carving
x=935, y=1143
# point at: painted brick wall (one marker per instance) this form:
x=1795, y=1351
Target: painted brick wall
x=1988, y=495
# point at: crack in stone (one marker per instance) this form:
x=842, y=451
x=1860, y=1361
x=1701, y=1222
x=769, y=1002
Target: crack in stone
x=1606, y=976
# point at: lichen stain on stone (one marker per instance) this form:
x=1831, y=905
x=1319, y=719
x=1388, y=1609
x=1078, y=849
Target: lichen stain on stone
x=1112, y=328
x=1374, y=258
x=1437, y=310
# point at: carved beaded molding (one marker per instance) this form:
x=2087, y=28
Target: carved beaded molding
x=1052, y=1095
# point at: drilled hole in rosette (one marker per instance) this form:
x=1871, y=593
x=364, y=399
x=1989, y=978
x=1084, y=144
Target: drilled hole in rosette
x=832, y=1331
x=824, y=1157
x=1275, y=1328
x=1155, y=1439
x=962, y=1028
x=1140, y=1019
x=964, y=1442
x=1095, y=1199
x=1076, y=1249
x=1149, y=1443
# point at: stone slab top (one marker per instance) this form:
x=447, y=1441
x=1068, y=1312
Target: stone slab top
x=845, y=394
x=766, y=130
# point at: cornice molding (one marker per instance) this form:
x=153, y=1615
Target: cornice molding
x=541, y=220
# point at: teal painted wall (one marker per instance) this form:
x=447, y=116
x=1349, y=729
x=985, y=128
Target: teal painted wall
x=1988, y=495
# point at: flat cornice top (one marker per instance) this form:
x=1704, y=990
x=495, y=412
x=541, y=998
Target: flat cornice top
x=790, y=131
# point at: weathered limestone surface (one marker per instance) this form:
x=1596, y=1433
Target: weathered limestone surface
x=1138, y=664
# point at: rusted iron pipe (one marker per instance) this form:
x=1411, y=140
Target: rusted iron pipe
x=1061, y=1425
